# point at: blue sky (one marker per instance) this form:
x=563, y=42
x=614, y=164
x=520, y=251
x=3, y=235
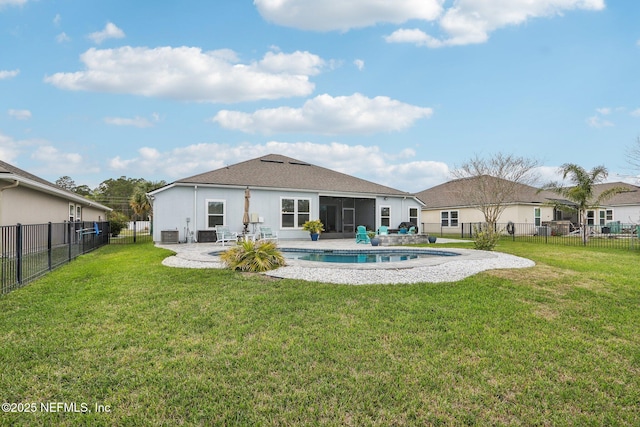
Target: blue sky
x=398, y=92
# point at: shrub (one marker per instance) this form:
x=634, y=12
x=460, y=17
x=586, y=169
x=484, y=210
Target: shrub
x=485, y=238
x=117, y=221
x=253, y=256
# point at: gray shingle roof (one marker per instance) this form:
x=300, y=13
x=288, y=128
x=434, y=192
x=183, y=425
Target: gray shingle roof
x=277, y=171
x=9, y=171
x=451, y=194
x=631, y=197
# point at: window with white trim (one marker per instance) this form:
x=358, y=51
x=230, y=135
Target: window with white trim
x=413, y=215
x=215, y=213
x=449, y=218
x=591, y=216
x=385, y=216
x=72, y=212
x=294, y=212
x=537, y=217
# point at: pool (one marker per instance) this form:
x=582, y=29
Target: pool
x=361, y=256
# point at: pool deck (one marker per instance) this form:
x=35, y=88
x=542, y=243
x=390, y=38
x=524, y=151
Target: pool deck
x=432, y=269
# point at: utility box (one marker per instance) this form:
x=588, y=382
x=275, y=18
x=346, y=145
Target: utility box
x=206, y=236
x=543, y=231
x=169, y=236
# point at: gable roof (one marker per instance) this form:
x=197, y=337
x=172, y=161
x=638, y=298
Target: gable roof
x=277, y=171
x=9, y=172
x=631, y=197
x=451, y=194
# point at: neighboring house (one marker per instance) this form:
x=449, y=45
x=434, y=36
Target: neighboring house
x=446, y=207
x=284, y=193
x=623, y=207
x=27, y=199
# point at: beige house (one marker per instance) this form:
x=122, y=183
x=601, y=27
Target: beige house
x=446, y=208
x=28, y=199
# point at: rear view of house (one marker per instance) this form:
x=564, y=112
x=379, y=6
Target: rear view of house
x=283, y=194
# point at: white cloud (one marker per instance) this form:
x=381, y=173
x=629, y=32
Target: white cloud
x=50, y=160
x=12, y=3
x=6, y=74
x=111, y=31
x=139, y=122
x=51, y=155
x=605, y=111
x=461, y=22
x=57, y=19
x=63, y=37
x=343, y=15
x=373, y=164
x=599, y=122
x=328, y=115
x=20, y=114
x=414, y=36
x=297, y=63
x=9, y=148
x=471, y=21
x=636, y=112
x=187, y=73
x=359, y=63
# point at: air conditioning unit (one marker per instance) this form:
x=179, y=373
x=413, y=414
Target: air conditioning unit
x=169, y=236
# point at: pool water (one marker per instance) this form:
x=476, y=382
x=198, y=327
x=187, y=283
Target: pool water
x=362, y=257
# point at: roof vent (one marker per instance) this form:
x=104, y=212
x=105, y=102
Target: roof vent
x=271, y=161
x=299, y=163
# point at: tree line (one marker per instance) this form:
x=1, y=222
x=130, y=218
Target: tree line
x=126, y=196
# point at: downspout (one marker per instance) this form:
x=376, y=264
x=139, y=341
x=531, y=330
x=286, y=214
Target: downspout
x=195, y=213
x=14, y=185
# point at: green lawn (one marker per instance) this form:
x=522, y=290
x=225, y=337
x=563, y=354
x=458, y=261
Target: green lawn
x=556, y=344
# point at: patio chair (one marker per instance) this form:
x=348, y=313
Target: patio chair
x=267, y=234
x=223, y=234
x=412, y=230
x=361, y=235
x=383, y=230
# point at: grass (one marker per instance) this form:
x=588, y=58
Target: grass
x=557, y=344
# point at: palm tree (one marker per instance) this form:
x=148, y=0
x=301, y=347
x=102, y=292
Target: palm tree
x=139, y=202
x=581, y=192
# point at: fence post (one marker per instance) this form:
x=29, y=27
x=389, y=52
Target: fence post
x=69, y=235
x=135, y=228
x=49, y=245
x=19, y=253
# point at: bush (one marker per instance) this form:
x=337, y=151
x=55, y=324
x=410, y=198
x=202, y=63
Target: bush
x=253, y=256
x=117, y=221
x=485, y=238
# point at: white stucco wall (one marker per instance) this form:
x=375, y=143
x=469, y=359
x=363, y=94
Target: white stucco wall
x=173, y=205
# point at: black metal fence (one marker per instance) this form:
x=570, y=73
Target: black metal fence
x=30, y=251
x=615, y=235
x=134, y=232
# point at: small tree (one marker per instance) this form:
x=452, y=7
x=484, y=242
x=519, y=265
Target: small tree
x=633, y=155
x=581, y=191
x=490, y=185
